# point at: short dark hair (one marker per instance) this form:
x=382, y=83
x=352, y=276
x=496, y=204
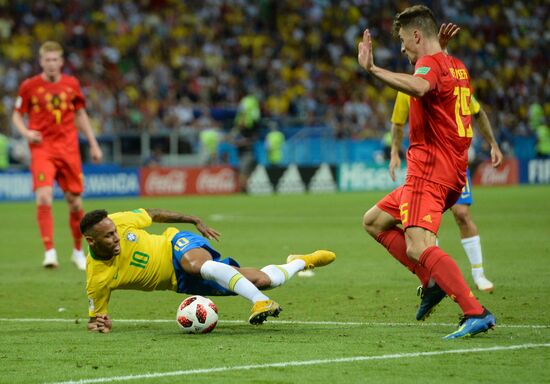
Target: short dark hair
x=90, y=219
x=418, y=16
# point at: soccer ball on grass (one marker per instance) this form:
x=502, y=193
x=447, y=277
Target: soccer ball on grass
x=197, y=314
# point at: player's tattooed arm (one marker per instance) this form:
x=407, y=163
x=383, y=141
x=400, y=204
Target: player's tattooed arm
x=487, y=132
x=397, y=139
x=166, y=216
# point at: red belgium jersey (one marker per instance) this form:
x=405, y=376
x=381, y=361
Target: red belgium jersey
x=51, y=108
x=440, y=122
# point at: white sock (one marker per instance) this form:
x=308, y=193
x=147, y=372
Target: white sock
x=229, y=278
x=431, y=282
x=472, y=247
x=279, y=274
x=51, y=252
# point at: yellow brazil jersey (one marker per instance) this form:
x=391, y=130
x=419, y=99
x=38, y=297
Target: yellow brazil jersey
x=475, y=107
x=144, y=262
x=400, y=113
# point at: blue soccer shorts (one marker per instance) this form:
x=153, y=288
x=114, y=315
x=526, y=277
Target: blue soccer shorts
x=183, y=242
x=466, y=197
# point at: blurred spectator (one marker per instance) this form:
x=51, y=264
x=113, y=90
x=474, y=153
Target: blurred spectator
x=357, y=113
x=274, y=142
x=536, y=116
x=20, y=153
x=179, y=114
x=209, y=142
x=145, y=66
x=244, y=134
x=537, y=123
x=210, y=136
x=386, y=144
x=543, y=140
x=155, y=159
x=248, y=115
x=4, y=150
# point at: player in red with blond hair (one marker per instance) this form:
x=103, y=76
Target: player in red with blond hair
x=55, y=107
x=437, y=158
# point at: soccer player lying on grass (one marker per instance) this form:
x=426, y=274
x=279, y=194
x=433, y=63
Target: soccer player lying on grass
x=125, y=256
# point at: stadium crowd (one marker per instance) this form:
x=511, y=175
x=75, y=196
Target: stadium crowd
x=155, y=64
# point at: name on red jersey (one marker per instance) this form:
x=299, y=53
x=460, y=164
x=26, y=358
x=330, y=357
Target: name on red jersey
x=460, y=74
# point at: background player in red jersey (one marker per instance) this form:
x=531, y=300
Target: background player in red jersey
x=440, y=134
x=55, y=107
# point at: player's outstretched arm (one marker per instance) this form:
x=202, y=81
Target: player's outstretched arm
x=165, y=216
x=396, y=140
x=409, y=84
x=487, y=133
x=100, y=323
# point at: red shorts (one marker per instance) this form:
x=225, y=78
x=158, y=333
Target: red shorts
x=419, y=203
x=66, y=170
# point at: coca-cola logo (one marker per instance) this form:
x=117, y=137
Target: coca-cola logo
x=221, y=181
x=492, y=176
x=169, y=183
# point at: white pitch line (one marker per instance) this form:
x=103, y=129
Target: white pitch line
x=287, y=364
x=284, y=322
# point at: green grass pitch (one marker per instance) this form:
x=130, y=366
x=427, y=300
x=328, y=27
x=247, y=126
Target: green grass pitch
x=353, y=322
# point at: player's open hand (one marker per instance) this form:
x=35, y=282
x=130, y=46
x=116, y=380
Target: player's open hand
x=100, y=323
x=206, y=231
x=395, y=162
x=446, y=33
x=496, y=156
x=364, y=55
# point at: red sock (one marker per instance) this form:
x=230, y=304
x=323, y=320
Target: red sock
x=74, y=222
x=448, y=276
x=394, y=241
x=45, y=225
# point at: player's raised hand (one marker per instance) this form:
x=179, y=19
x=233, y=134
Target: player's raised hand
x=496, y=156
x=206, y=231
x=364, y=55
x=446, y=33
